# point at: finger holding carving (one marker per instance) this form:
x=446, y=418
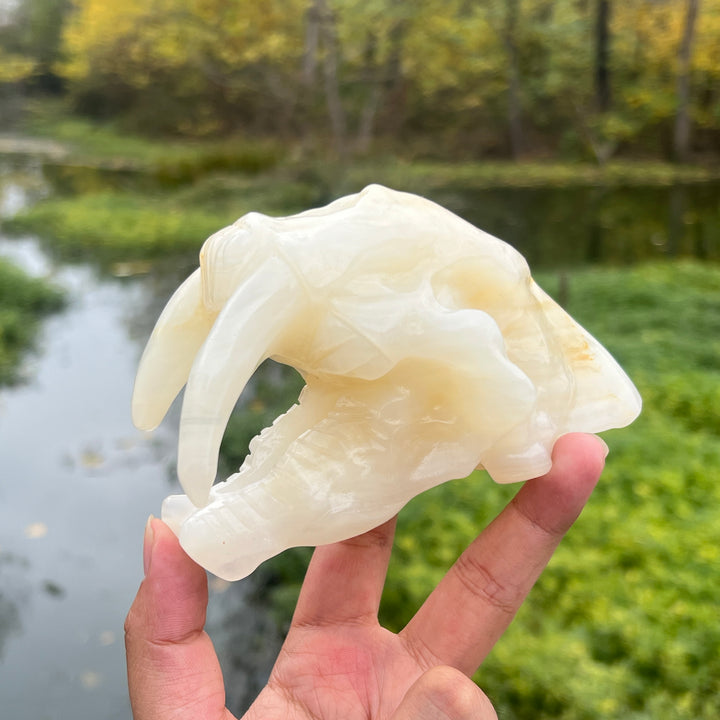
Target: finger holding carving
x=472, y=606
x=345, y=580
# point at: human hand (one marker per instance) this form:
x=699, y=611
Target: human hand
x=337, y=661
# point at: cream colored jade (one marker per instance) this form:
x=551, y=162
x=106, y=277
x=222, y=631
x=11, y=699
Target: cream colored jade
x=427, y=351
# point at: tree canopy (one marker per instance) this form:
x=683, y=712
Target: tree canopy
x=497, y=77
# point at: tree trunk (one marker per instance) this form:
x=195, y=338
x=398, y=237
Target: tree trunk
x=681, y=140
x=395, y=80
x=602, y=56
x=313, y=21
x=513, y=73
x=331, y=63
x=382, y=81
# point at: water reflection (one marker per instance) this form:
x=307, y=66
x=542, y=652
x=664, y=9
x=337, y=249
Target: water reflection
x=9, y=619
x=22, y=182
x=565, y=227
x=13, y=594
x=77, y=484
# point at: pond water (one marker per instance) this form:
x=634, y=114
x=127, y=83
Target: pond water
x=572, y=226
x=77, y=481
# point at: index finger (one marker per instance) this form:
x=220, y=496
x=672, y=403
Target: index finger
x=472, y=606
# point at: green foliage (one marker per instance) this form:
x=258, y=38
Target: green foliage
x=272, y=390
x=14, y=67
x=665, y=318
x=23, y=300
x=340, y=72
x=33, y=32
x=623, y=624
x=117, y=225
x=424, y=176
x=108, y=224
x=108, y=145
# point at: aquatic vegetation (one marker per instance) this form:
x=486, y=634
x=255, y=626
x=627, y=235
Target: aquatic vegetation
x=110, y=225
x=23, y=301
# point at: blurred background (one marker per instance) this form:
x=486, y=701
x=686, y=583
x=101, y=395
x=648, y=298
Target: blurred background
x=584, y=132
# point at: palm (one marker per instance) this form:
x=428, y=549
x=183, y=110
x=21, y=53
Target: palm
x=337, y=661
x=360, y=671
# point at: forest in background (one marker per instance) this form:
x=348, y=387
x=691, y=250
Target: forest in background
x=571, y=79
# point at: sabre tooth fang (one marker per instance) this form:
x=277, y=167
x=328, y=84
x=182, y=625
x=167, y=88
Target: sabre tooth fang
x=247, y=331
x=169, y=354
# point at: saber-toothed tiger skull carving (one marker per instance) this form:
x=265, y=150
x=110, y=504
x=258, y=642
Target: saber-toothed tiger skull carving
x=426, y=348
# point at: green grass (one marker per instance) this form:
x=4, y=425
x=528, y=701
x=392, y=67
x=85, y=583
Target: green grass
x=23, y=301
x=106, y=145
x=623, y=624
x=426, y=177
x=192, y=188
x=116, y=225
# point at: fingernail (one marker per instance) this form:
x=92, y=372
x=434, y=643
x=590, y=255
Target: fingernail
x=604, y=444
x=147, y=544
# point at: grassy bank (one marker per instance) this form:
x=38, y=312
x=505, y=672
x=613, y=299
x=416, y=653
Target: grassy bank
x=623, y=624
x=120, y=218
x=429, y=176
x=120, y=197
x=104, y=145
x=23, y=302
x=94, y=144
x=121, y=224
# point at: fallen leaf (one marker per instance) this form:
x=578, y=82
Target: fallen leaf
x=90, y=679
x=218, y=585
x=91, y=459
x=36, y=530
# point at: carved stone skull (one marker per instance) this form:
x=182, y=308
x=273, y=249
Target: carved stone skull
x=427, y=350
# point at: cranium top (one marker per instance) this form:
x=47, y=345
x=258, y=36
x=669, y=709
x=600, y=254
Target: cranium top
x=427, y=350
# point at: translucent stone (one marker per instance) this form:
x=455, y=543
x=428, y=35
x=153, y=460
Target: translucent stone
x=427, y=350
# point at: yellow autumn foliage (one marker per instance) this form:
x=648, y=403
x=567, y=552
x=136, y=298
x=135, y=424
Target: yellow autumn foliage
x=452, y=58
x=14, y=68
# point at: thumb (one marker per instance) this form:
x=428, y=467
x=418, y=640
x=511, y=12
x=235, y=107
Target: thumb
x=444, y=693
x=172, y=667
